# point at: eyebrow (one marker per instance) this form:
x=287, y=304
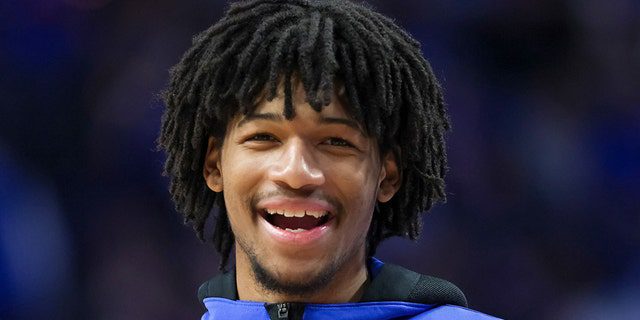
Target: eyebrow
x=276, y=117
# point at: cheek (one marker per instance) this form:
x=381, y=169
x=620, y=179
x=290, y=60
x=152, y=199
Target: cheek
x=361, y=177
x=240, y=176
x=358, y=185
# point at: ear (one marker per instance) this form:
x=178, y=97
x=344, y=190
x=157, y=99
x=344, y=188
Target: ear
x=390, y=178
x=211, y=169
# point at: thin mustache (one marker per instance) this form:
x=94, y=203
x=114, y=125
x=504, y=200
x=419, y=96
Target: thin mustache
x=294, y=195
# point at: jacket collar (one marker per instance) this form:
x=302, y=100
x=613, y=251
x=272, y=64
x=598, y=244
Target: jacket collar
x=388, y=283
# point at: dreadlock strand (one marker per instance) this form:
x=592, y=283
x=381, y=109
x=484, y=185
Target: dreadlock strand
x=262, y=31
x=330, y=63
x=305, y=56
x=222, y=236
x=254, y=77
x=289, y=112
x=349, y=81
x=276, y=66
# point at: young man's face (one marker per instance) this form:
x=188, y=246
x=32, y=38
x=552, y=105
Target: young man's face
x=299, y=193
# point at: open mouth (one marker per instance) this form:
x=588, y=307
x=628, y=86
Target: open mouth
x=295, y=220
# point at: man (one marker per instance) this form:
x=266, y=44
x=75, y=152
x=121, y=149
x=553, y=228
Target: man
x=318, y=127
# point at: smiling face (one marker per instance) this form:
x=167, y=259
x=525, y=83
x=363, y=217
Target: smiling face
x=300, y=195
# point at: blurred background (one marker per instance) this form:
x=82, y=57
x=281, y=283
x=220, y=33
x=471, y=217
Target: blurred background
x=543, y=212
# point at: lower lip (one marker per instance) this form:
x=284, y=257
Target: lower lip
x=303, y=238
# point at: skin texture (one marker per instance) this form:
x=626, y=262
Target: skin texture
x=310, y=159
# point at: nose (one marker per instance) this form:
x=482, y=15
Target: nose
x=296, y=166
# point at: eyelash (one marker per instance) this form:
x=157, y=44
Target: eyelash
x=337, y=142
x=261, y=137
x=342, y=142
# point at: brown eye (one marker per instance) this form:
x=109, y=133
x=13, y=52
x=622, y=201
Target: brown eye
x=338, y=142
x=261, y=137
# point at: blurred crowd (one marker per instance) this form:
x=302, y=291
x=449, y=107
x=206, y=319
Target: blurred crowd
x=543, y=212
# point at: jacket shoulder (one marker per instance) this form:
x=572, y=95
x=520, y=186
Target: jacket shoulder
x=453, y=312
x=395, y=283
x=220, y=286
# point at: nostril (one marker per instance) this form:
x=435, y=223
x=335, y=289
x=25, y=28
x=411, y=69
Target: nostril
x=297, y=171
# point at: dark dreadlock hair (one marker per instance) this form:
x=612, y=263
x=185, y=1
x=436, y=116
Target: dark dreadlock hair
x=388, y=85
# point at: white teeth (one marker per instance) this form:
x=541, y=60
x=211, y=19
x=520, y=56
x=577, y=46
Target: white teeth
x=316, y=214
x=299, y=214
x=296, y=230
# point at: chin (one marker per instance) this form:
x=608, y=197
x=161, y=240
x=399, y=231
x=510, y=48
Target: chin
x=296, y=278
x=299, y=272
x=298, y=267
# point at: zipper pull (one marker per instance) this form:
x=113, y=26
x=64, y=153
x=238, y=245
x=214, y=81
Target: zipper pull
x=283, y=311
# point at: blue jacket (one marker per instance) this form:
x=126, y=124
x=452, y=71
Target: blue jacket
x=393, y=293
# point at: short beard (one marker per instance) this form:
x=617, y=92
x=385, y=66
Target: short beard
x=270, y=282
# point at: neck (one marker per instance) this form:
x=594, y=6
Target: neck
x=347, y=285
